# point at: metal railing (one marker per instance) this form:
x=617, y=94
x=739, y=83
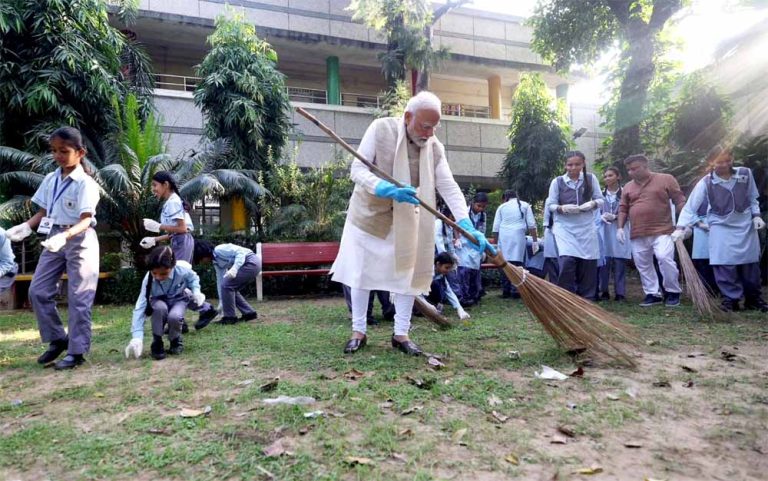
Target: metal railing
x=360, y=100
x=461, y=110
x=176, y=82
x=312, y=96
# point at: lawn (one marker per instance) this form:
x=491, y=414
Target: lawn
x=689, y=412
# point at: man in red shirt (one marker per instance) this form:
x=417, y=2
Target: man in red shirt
x=646, y=202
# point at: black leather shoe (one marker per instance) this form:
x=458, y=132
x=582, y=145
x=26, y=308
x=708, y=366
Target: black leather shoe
x=756, y=305
x=409, y=347
x=371, y=321
x=177, y=347
x=54, y=350
x=70, y=361
x=227, y=320
x=157, y=349
x=184, y=327
x=354, y=345
x=729, y=305
x=205, y=318
x=248, y=317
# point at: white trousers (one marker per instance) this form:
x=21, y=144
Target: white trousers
x=403, y=310
x=661, y=246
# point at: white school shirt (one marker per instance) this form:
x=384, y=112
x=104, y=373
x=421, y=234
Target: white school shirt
x=173, y=210
x=64, y=200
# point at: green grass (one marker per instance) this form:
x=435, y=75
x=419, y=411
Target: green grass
x=118, y=419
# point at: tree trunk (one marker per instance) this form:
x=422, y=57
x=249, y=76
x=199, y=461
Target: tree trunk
x=633, y=93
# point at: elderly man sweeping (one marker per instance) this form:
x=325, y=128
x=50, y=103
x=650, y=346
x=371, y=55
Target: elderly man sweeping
x=388, y=241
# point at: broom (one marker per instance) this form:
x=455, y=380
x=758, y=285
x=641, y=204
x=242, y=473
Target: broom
x=573, y=322
x=703, y=300
x=431, y=313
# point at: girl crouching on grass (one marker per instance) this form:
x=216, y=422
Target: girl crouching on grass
x=167, y=290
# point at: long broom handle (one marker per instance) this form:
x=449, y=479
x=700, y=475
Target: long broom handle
x=384, y=175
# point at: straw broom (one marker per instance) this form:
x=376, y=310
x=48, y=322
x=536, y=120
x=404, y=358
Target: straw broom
x=431, y=313
x=703, y=300
x=572, y=321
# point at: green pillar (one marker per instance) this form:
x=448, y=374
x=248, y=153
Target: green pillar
x=334, y=92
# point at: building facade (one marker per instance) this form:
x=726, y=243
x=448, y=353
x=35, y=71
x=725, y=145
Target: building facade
x=332, y=70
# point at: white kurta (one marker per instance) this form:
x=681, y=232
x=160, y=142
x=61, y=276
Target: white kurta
x=368, y=262
x=513, y=226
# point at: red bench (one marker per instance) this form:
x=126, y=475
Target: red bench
x=292, y=254
x=281, y=255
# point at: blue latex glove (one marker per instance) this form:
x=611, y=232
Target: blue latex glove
x=482, y=242
x=388, y=190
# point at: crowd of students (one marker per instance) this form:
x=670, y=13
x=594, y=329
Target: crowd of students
x=589, y=235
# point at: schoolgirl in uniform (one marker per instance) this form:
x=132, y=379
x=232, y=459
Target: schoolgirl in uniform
x=551, y=268
x=616, y=254
x=174, y=219
x=733, y=217
x=67, y=198
x=167, y=290
x=440, y=291
x=512, y=222
x=470, y=259
x=572, y=199
x=446, y=241
x=235, y=268
x=8, y=267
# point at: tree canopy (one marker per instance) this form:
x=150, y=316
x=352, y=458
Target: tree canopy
x=568, y=33
x=539, y=139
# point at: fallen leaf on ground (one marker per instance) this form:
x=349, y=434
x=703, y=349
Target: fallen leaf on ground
x=354, y=375
x=688, y=383
x=314, y=414
x=446, y=399
x=650, y=343
x=405, y=433
x=411, y=410
x=386, y=404
x=633, y=444
x=245, y=363
x=98, y=394
x=354, y=461
x=458, y=435
x=694, y=354
x=567, y=431
x=327, y=377
x=728, y=356
x=289, y=400
x=399, y=457
x=494, y=400
x=653, y=479
x=247, y=382
x=515, y=355
x=193, y=413
x=421, y=383
x=275, y=449
x=662, y=383
x=631, y=392
x=688, y=368
x=612, y=397
x=271, y=385
x=578, y=372
x=558, y=439
x=571, y=406
x=588, y=471
x=158, y=431
x=435, y=363
x=512, y=459
x=304, y=430
x=499, y=417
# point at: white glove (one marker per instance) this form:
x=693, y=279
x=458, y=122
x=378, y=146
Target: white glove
x=151, y=225
x=231, y=273
x=55, y=243
x=681, y=234
x=148, y=243
x=621, y=236
x=463, y=315
x=608, y=218
x=587, y=206
x=703, y=226
x=553, y=207
x=534, y=247
x=134, y=348
x=19, y=233
x=758, y=222
x=570, y=209
x=198, y=297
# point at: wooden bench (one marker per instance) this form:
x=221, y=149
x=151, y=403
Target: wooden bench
x=283, y=254
x=9, y=299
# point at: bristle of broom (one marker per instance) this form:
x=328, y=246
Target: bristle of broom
x=571, y=320
x=703, y=300
x=431, y=313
